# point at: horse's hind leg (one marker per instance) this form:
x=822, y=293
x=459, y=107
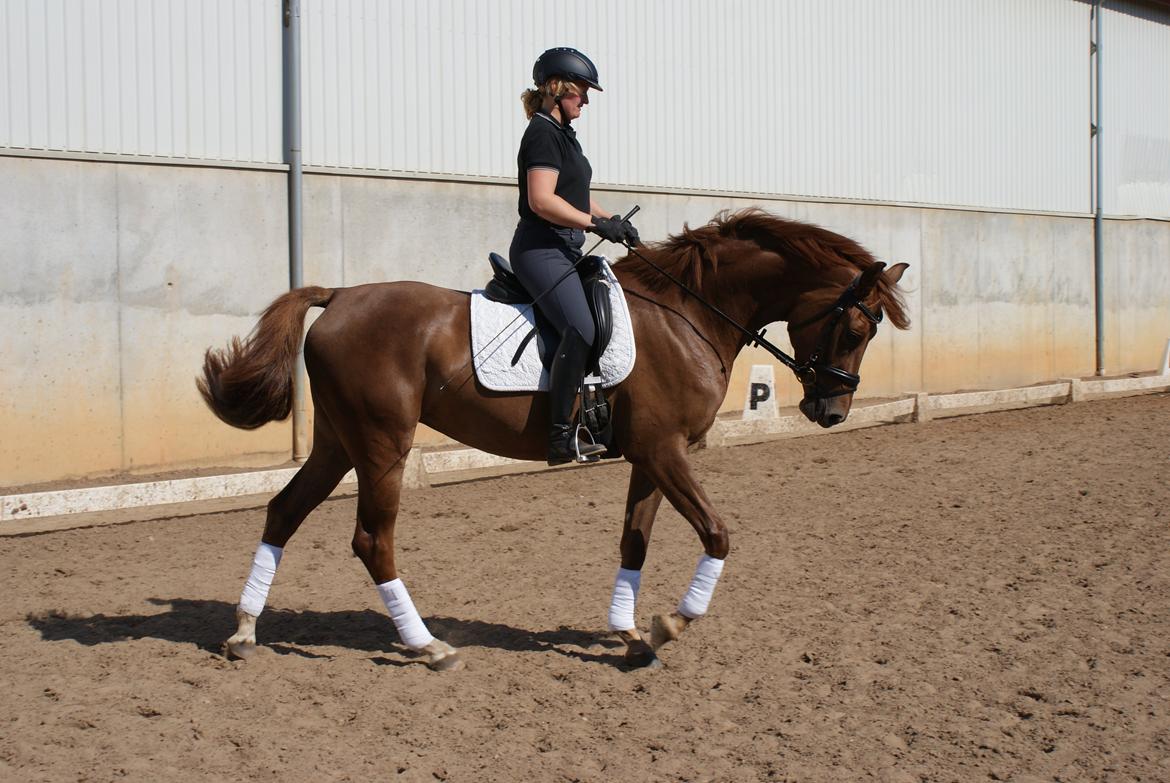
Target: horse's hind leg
x=379, y=489
x=321, y=473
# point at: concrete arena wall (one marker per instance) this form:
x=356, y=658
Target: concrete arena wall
x=115, y=277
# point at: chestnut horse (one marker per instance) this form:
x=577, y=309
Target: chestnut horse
x=384, y=357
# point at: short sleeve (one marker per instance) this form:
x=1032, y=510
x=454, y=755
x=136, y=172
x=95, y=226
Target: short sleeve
x=540, y=150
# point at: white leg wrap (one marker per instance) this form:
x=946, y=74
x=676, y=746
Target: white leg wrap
x=411, y=629
x=264, y=565
x=698, y=596
x=625, y=595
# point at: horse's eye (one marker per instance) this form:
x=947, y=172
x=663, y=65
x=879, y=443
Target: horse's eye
x=851, y=339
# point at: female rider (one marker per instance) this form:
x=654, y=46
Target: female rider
x=556, y=210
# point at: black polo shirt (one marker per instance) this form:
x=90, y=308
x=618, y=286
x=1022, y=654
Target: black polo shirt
x=548, y=144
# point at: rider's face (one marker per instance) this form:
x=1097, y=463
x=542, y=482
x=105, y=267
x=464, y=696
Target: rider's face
x=573, y=102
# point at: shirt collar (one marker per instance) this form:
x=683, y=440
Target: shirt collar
x=566, y=128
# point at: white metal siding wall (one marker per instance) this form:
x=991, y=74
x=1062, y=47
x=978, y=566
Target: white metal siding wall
x=1135, y=50
x=964, y=102
x=169, y=78
x=956, y=102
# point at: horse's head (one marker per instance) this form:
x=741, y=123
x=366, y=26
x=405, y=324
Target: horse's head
x=830, y=342
x=764, y=269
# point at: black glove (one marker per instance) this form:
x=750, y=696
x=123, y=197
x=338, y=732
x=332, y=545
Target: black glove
x=615, y=229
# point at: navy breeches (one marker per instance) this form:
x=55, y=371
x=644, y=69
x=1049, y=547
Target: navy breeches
x=540, y=254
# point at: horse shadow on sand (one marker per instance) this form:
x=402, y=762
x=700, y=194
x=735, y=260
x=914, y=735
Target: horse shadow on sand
x=206, y=624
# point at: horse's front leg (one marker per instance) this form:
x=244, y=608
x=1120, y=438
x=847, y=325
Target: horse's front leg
x=671, y=472
x=642, y=502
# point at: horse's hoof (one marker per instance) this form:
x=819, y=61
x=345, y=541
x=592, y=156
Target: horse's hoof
x=442, y=657
x=666, y=628
x=643, y=659
x=451, y=662
x=239, y=650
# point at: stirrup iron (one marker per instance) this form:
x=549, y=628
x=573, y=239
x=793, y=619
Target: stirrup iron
x=584, y=459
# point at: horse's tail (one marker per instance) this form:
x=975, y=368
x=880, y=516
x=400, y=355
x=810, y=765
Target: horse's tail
x=250, y=383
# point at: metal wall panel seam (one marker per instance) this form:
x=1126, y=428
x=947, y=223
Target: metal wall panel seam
x=344, y=84
x=190, y=106
x=164, y=81
x=65, y=103
x=47, y=97
x=359, y=77
x=312, y=77
x=379, y=84
x=397, y=140
x=111, y=93
x=223, y=100
x=245, y=106
x=319, y=108
x=34, y=93
x=82, y=46
x=6, y=77
x=151, y=75
x=19, y=77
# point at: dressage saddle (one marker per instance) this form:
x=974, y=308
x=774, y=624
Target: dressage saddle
x=506, y=288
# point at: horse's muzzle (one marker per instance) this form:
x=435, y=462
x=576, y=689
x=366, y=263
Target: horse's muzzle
x=825, y=411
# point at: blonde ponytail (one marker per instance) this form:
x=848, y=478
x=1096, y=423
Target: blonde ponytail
x=532, y=99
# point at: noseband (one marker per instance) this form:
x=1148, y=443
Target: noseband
x=812, y=369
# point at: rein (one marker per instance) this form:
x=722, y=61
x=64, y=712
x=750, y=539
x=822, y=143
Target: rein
x=806, y=372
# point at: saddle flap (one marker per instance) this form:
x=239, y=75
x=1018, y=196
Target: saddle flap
x=597, y=288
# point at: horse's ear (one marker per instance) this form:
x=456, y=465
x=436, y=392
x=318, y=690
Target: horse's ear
x=869, y=279
x=894, y=273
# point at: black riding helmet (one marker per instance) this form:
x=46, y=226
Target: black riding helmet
x=568, y=63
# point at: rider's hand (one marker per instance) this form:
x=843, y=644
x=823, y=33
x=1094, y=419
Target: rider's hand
x=615, y=229
x=632, y=239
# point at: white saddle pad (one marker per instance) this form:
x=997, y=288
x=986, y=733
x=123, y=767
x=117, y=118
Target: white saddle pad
x=498, y=329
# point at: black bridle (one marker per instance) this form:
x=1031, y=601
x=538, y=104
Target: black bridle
x=809, y=371
x=812, y=369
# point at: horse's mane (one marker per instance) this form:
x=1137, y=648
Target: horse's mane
x=693, y=254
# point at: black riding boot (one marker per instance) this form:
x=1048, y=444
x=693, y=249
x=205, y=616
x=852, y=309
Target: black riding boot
x=568, y=367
